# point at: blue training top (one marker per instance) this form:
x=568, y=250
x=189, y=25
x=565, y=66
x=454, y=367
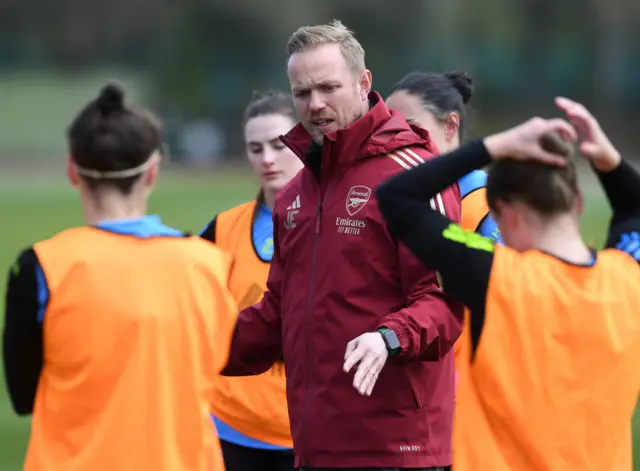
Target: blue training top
x=263, y=233
x=469, y=183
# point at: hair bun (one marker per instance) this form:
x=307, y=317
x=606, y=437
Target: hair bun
x=463, y=83
x=554, y=143
x=111, y=99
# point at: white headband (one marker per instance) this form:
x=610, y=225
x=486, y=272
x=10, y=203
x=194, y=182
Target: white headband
x=114, y=174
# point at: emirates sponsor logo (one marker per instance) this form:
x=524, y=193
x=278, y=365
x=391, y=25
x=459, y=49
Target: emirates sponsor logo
x=350, y=226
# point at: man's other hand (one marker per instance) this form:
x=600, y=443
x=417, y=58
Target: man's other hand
x=369, y=352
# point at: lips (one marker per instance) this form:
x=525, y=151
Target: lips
x=322, y=123
x=270, y=174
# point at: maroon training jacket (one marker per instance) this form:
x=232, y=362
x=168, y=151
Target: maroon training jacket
x=335, y=274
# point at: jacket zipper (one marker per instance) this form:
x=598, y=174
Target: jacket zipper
x=316, y=239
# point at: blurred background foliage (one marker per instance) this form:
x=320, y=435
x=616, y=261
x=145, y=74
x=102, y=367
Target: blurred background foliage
x=196, y=62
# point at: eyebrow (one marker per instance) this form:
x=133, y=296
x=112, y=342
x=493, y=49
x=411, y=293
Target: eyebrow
x=322, y=83
x=271, y=141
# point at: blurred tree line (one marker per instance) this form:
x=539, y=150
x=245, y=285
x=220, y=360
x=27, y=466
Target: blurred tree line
x=204, y=57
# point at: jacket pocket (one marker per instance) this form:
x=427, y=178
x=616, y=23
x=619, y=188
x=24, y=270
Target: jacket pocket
x=415, y=391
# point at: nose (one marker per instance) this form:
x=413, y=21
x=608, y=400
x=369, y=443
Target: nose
x=268, y=157
x=316, y=102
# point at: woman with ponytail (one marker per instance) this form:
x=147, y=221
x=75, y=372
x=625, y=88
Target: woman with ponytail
x=250, y=412
x=437, y=102
x=114, y=330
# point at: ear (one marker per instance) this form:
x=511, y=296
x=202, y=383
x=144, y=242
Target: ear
x=497, y=211
x=72, y=174
x=504, y=212
x=451, y=126
x=151, y=175
x=366, y=82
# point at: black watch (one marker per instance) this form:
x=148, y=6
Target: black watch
x=390, y=340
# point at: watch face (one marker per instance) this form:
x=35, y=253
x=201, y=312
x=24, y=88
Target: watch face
x=391, y=339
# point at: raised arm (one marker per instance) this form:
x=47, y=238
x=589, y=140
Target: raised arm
x=413, y=204
x=620, y=181
x=431, y=322
x=622, y=187
x=462, y=258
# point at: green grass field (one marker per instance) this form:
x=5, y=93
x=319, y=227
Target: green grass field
x=37, y=206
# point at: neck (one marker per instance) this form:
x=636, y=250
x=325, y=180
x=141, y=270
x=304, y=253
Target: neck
x=561, y=238
x=269, y=198
x=109, y=205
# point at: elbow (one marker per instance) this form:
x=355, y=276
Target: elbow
x=22, y=397
x=237, y=367
x=430, y=353
x=434, y=352
x=234, y=370
x=22, y=406
x=23, y=411
x=22, y=386
x=242, y=371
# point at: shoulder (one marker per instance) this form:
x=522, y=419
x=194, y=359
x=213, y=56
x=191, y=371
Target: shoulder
x=72, y=239
x=196, y=245
x=236, y=213
x=26, y=261
x=472, y=181
x=512, y=271
x=239, y=209
x=619, y=262
x=64, y=235
x=402, y=158
x=225, y=218
x=511, y=266
x=24, y=271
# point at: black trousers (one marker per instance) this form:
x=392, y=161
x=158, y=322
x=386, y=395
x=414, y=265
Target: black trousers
x=242, y=458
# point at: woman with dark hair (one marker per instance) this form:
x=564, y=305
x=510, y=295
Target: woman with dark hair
x=114, y=331
x=549, y=371
x=438, y=102
x=251, y=412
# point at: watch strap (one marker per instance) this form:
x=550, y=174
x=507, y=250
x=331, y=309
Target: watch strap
x=383, y=331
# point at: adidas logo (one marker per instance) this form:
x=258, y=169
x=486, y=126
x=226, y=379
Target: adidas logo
x=292, y=210
x=295, y=204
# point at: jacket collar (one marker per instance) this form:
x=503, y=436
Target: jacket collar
x=378, y=131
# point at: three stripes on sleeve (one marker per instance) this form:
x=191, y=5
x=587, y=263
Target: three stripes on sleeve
x=408, y=159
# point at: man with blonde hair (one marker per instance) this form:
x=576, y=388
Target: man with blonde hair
x=342, y=294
